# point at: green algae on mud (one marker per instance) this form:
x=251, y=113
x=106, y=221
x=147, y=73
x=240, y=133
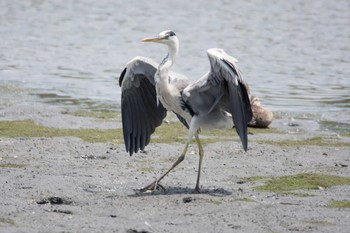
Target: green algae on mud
x=293, y=194
x=305, y=181
x=7, y=222
x=339, y=204
x=173, y=132
x=28, y=128
x=215, y=202
x=147, y=169
x=245, y=199
x=253, y=178
x=314, y=141
x=176, y=132
x=319, y=222
x=12, y=165
x=104, y=115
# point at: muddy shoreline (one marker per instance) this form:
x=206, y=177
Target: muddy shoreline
x=65, y=184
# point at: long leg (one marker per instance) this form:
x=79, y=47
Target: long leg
x=153, y=186
x=193, y=131
x=201, y=154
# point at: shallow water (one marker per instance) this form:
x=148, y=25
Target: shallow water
x=294, y=54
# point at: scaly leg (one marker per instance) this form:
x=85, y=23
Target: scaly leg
x=193, y=131
x=201, y=154
x=153, y=186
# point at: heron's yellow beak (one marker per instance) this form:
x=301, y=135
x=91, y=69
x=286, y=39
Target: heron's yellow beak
x=152, y=39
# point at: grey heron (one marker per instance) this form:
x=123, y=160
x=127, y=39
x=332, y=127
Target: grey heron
x=219, y=99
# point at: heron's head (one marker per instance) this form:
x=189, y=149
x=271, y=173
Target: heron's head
x=166, y=37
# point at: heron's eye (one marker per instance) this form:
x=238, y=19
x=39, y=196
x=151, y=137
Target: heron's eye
x=171, y=33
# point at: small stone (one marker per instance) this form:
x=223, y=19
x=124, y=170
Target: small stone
x=187, y=199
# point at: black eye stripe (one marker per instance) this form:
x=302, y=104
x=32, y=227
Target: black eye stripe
x=170, y=33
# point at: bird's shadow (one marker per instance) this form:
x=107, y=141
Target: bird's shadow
x=219, y=192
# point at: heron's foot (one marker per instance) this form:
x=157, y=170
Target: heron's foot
x=152, y=187
x=196, y=190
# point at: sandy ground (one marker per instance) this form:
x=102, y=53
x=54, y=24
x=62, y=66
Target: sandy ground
x=69, y=185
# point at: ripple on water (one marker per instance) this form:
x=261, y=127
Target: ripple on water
x=294, y=54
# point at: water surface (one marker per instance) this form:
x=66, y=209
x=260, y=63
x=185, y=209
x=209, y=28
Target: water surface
x=294, y=54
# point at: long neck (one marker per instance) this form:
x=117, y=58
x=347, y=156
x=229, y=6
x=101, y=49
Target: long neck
x=163, y=86
x=168, y=61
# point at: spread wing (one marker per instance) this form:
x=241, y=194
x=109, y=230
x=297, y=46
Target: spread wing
x=140, y=112
x=222, y=89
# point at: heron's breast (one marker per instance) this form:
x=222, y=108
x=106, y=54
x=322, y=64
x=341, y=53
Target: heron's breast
x=170, y=102
x=170, y=98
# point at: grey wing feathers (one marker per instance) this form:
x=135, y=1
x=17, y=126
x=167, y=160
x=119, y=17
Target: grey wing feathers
x=140, y=112
x=240, y=109
x=223, y=89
